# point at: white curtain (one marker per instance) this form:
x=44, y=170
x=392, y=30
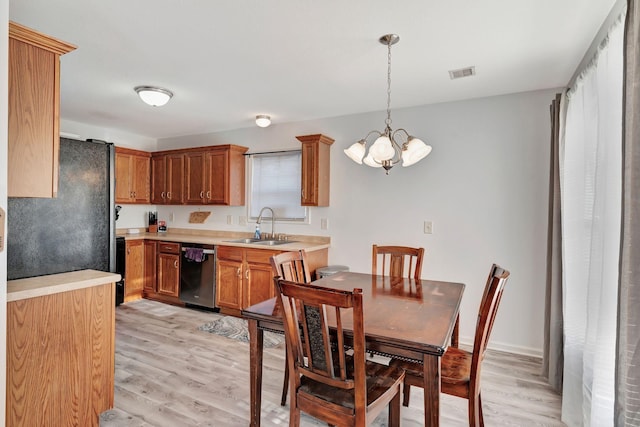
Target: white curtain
x=591, y=175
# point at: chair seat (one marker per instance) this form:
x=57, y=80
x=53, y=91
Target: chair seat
x=455, y=367
x=380, y=378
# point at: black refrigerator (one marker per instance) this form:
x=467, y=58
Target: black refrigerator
x=75, y=230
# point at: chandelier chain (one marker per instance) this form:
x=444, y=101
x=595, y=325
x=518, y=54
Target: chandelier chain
x=388, y=121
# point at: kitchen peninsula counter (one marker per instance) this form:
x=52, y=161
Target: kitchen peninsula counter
x=32, y=287
x=60, y=348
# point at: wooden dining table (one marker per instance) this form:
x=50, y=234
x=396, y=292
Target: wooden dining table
x=403, y=318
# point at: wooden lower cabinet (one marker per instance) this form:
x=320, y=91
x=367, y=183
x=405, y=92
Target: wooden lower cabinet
x=134, y=273
x=243, y=277
x=60, y=358
x=168, y=283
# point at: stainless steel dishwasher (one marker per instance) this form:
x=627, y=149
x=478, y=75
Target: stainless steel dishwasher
x=198, y=275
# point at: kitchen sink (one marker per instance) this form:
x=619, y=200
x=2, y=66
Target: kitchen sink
x=250, y=240
x=273, y=242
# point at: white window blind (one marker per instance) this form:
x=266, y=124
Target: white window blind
x=275, y=182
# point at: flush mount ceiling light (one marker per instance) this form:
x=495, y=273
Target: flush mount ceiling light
x=155, y=96
x=388, y=148
x=263, y=120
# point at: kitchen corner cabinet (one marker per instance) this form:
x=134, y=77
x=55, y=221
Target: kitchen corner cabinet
x=316, y=159
x=34, y=112
x=133, y=172
x=243, y=277
x=168, y=283
x=134, y=272
x=215, y=175
x=167, y=178
x=149, y=282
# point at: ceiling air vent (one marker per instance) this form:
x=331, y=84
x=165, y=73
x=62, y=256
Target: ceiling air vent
x=462, y=72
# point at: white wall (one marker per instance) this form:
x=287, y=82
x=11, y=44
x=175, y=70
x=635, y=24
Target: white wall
x=4, y=114
x=484, y=186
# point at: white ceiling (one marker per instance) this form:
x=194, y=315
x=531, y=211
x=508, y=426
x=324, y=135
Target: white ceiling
x=227, y=61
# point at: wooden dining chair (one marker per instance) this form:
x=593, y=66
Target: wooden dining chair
x=292, y=266
x=460, y=369
x=397, y=261
x=326, y=382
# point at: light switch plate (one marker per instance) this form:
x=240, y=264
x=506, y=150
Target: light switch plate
x=324, y=224
x=428, y=227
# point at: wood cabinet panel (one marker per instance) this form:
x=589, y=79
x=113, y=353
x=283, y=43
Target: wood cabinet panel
x=167, y=179
x=150, y=257
x=168, y=274
x=218, y=177
x=259, y=284
x=133, y=174
x=195, y=178
x=33, y=119
x=316, y=169
x=134, y=273
x=60, y=358
x=229, y=284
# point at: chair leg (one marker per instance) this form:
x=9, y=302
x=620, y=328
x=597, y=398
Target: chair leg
x=285, y=385
x=394, y=411
x=474, y=411
x=480, y=410
x=456, y=332
x=406, y=393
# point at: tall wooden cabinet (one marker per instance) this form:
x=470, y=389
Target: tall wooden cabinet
x=133, y=174
x=149, y=282
x=316, y=159
x=34, y=112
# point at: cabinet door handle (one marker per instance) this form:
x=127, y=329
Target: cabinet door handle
x=246, y=274
x=208, y=194
x=162, y=195
x=239, y=273
x=302, y=193
x=131, y=194
x=169, y=195
x=202, y=194
x=175, y=263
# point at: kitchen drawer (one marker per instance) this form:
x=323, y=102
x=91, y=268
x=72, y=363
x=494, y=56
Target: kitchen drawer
x=259, y=256
x=230, y=252
x=169, y=248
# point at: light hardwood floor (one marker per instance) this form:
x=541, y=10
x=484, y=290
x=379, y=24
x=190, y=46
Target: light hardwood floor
x=169, y=374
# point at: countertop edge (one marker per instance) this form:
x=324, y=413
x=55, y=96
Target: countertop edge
x=224, y=241
x=33, y=287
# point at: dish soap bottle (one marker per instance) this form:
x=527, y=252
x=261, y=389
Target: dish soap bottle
x=256, y=235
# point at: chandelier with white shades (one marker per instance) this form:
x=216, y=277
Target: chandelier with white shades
x=390, y=147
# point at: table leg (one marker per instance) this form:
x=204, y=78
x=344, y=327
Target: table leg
x=431, y=386
x=255, y=371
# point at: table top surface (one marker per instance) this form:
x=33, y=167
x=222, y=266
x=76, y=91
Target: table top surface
x=419, y=315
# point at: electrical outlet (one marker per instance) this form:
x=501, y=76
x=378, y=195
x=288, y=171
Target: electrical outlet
x=428, y=227
x=243, y=220
x=230, y=219
x=324, y=224
x=171, y=217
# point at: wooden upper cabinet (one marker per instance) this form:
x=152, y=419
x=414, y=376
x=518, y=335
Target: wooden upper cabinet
x=34, y=112
x=316, y=159
x=167, y=178
x=215, y=175
x=133, y=173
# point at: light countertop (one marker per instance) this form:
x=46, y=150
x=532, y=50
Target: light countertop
x=32, y=287
x=208, y=237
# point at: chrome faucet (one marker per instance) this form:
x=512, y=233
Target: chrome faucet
x=273, y=220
